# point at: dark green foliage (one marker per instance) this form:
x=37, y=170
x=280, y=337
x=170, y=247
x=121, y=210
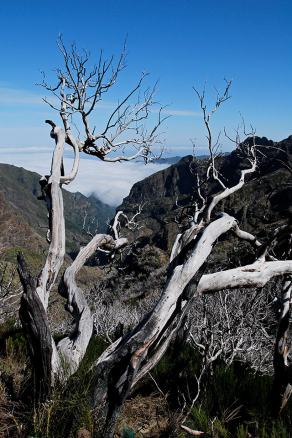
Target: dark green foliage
x=234, y=400
x=68, y=408
x=95, y=347
x=177, y=369
x=128, y=433
x=12, y=341
x=17, y=345
x=34, y=259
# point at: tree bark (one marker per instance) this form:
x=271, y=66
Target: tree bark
x=54, y=198
x=282, y=383
x=117, y=369
x=72, y=348
x=35, y=323
x=33, y=309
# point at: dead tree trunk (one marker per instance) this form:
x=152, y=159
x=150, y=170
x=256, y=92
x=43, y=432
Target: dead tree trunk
x=34, y=303
x=130, y=358
x=34, y=321
x=125, y=361
x=282, y=384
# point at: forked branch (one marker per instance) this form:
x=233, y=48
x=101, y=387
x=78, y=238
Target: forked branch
x=78, y=93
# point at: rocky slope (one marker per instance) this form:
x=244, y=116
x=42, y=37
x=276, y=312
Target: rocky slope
x=265, y=200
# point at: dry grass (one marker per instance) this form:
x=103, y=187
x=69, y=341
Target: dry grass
x=146, y=416
x=10, y=423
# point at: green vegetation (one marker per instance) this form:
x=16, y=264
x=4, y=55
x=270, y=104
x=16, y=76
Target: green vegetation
x=34, y=259
x=233, y=402
x=24, y=216
x=64, y=414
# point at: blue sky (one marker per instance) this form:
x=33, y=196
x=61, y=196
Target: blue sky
x=182, y=43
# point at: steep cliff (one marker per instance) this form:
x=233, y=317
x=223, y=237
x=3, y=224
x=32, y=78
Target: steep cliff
x=265, y=200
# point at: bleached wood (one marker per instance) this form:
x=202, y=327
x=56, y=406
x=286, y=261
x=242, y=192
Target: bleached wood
x=71, y=176
x=56, y=250
x=73, y=347
x=254, y=275
x=230, y=190
x=246, y=236
x=125, y=361
x=183, y=274
x=282, y=383
x=152, y=332
x=192, y=431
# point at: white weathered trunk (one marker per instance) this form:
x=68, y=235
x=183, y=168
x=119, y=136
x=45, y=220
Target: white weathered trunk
x=282, y=384
x=183, y=274
x=230, y=190
x=56, y=251
x=52, y=190
x=155, y=332
x=72, y=348
x=254, y=275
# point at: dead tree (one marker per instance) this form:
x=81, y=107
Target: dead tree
x=223, y=327
x=282, y=384
x=78, y=91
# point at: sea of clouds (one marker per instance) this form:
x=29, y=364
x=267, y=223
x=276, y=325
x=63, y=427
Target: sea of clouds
x=110, y=182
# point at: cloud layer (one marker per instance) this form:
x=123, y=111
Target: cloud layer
x=110, y=182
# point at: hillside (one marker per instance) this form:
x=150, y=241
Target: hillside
x=122, y=294
x=260, y=206
x=23, y=217
x=263, y=201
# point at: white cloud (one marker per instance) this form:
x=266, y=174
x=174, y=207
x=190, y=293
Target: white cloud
x=110, y=182
x=16, y=96
x=16, y=150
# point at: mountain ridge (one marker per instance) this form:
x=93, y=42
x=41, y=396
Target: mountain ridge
x=265, y=190
x=22, y=214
